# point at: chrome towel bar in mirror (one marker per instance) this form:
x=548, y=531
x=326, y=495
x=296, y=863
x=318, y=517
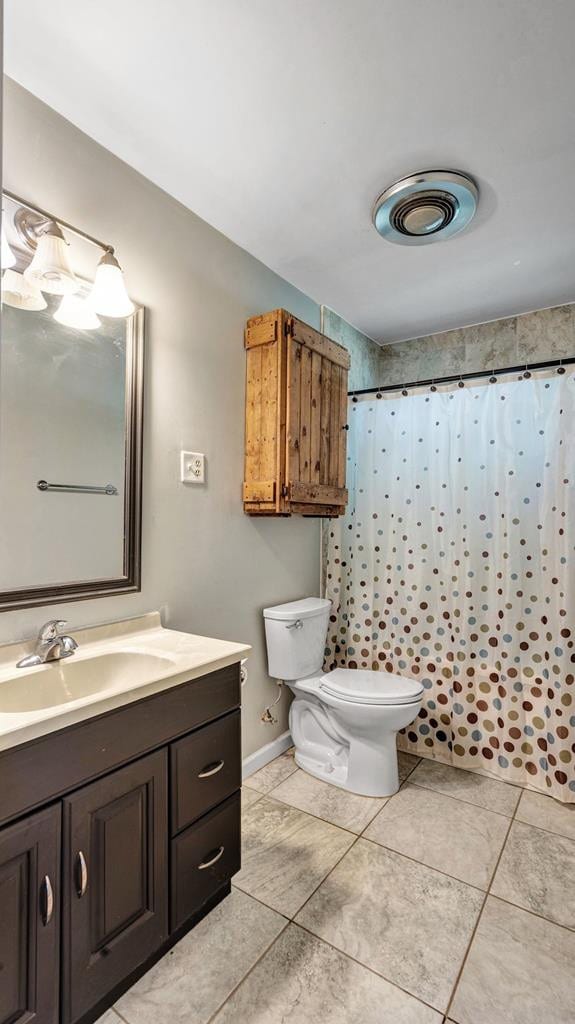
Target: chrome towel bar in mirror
x=43, y=485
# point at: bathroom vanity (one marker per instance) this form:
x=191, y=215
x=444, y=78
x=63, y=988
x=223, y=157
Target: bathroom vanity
x=120, y=775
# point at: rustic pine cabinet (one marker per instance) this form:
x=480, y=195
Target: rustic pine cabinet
x=296, y=419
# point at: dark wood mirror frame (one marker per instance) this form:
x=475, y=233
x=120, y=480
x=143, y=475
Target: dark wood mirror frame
x=130, y=580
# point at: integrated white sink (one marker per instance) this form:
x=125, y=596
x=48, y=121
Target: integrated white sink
x=60, y=682
x=115, y=664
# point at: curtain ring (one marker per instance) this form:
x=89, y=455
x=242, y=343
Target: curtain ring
x=404, y=391
x=354, y=398
x=560, y=368
x=461, y=383
x=433, y=386
x=526, y=372
x=378, y=395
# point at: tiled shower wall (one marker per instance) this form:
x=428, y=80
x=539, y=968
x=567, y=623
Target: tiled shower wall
x=533, y=337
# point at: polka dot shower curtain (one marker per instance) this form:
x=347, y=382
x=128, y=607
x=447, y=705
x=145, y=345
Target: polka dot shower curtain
x=454, y=564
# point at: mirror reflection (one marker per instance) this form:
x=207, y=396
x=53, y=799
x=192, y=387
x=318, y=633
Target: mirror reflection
x=70, y=363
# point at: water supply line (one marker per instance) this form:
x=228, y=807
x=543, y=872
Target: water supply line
x=267, y=716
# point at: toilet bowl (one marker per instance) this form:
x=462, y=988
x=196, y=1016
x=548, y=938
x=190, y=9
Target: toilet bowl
x=343, y=723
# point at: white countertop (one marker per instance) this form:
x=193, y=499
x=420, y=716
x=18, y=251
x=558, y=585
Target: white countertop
x=151, y=658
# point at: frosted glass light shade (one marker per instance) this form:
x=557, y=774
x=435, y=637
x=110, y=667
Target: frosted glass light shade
x=7, y=257
x=74, y=311
x=20, y=293
x=50, y=268
x=109, y=296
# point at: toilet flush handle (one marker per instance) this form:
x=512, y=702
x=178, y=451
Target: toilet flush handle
x=298, y=624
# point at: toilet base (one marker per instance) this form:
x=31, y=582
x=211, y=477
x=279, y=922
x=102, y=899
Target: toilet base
x=336, y=775
x=349, y=746
x=381, y=782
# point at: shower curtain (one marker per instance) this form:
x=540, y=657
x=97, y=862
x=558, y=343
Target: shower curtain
x=454, y=564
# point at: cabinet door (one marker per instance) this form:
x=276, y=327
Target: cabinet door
x=115, y=880
x=265, y=427
x=317, y=371
x=29, y=919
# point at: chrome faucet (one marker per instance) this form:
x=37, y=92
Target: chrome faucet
x=51, y=645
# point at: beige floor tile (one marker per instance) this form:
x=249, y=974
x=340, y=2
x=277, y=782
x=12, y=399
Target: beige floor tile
x=348, y=810
x=192, y=981
x=273, y=773
x=110, y=1017
x=446, y=834
x=303, y=981
x=406, y=763
x=407, y=922
x=537, y=872
x=286, y=854
x=545, y=812
x=249, y=797
x=475, y=789
x=519, y=971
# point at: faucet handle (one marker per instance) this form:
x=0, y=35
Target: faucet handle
x=51, y=629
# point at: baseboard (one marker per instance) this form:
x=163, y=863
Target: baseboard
x=266, y=754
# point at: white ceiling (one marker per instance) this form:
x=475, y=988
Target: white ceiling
x=280, y=121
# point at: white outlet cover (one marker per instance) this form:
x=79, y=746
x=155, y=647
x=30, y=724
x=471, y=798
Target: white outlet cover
x=192, y=467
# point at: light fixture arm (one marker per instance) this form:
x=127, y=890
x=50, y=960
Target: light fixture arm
x=57, y=220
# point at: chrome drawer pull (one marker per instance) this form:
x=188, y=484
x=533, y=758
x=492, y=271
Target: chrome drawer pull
x=48, y=907
x=81, y=875
x=211, y=769
x=212, y=860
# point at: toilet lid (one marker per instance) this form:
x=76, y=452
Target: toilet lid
x=364, y=687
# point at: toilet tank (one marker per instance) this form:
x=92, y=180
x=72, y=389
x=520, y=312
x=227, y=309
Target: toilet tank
x=296, y=633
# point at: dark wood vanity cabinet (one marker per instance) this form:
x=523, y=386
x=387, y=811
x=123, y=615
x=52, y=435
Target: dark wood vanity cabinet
x=30, y=919
x=115, y=896
x=131, y=851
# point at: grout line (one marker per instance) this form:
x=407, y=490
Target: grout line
x=249, y=971
x=310, y=814
x=117, y=1012
x=366, y=967
x=422, y=864
x=526, y=910
x=549, y=831
x=461, y=800
x=480, y=915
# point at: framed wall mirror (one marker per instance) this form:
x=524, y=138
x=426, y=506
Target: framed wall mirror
x=71, y=383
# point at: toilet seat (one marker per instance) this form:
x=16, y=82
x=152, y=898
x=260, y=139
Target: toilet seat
x=364, y=687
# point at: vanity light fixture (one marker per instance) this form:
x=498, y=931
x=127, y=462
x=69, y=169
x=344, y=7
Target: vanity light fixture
x=75, y=311
x=20, y=293
x=50, y=267
x=109, y=296
x=7, y=257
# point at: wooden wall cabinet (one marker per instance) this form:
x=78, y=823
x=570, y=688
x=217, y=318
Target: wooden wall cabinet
x=296, y=419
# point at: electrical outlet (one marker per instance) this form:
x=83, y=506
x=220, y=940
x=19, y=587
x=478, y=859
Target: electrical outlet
x=192, y=467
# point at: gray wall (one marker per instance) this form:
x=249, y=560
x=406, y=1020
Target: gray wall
x=532, y=337
x=207, y=565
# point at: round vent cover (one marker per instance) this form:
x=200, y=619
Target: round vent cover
x=426, y=207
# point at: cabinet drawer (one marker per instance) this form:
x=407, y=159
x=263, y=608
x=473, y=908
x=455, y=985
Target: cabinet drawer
x=203, y=858
x=206, y=768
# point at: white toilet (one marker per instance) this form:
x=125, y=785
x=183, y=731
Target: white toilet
x=343, y=723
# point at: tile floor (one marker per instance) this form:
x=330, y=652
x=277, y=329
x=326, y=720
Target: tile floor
x=452, y=901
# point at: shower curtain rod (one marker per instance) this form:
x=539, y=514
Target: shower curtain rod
x=454, y=378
